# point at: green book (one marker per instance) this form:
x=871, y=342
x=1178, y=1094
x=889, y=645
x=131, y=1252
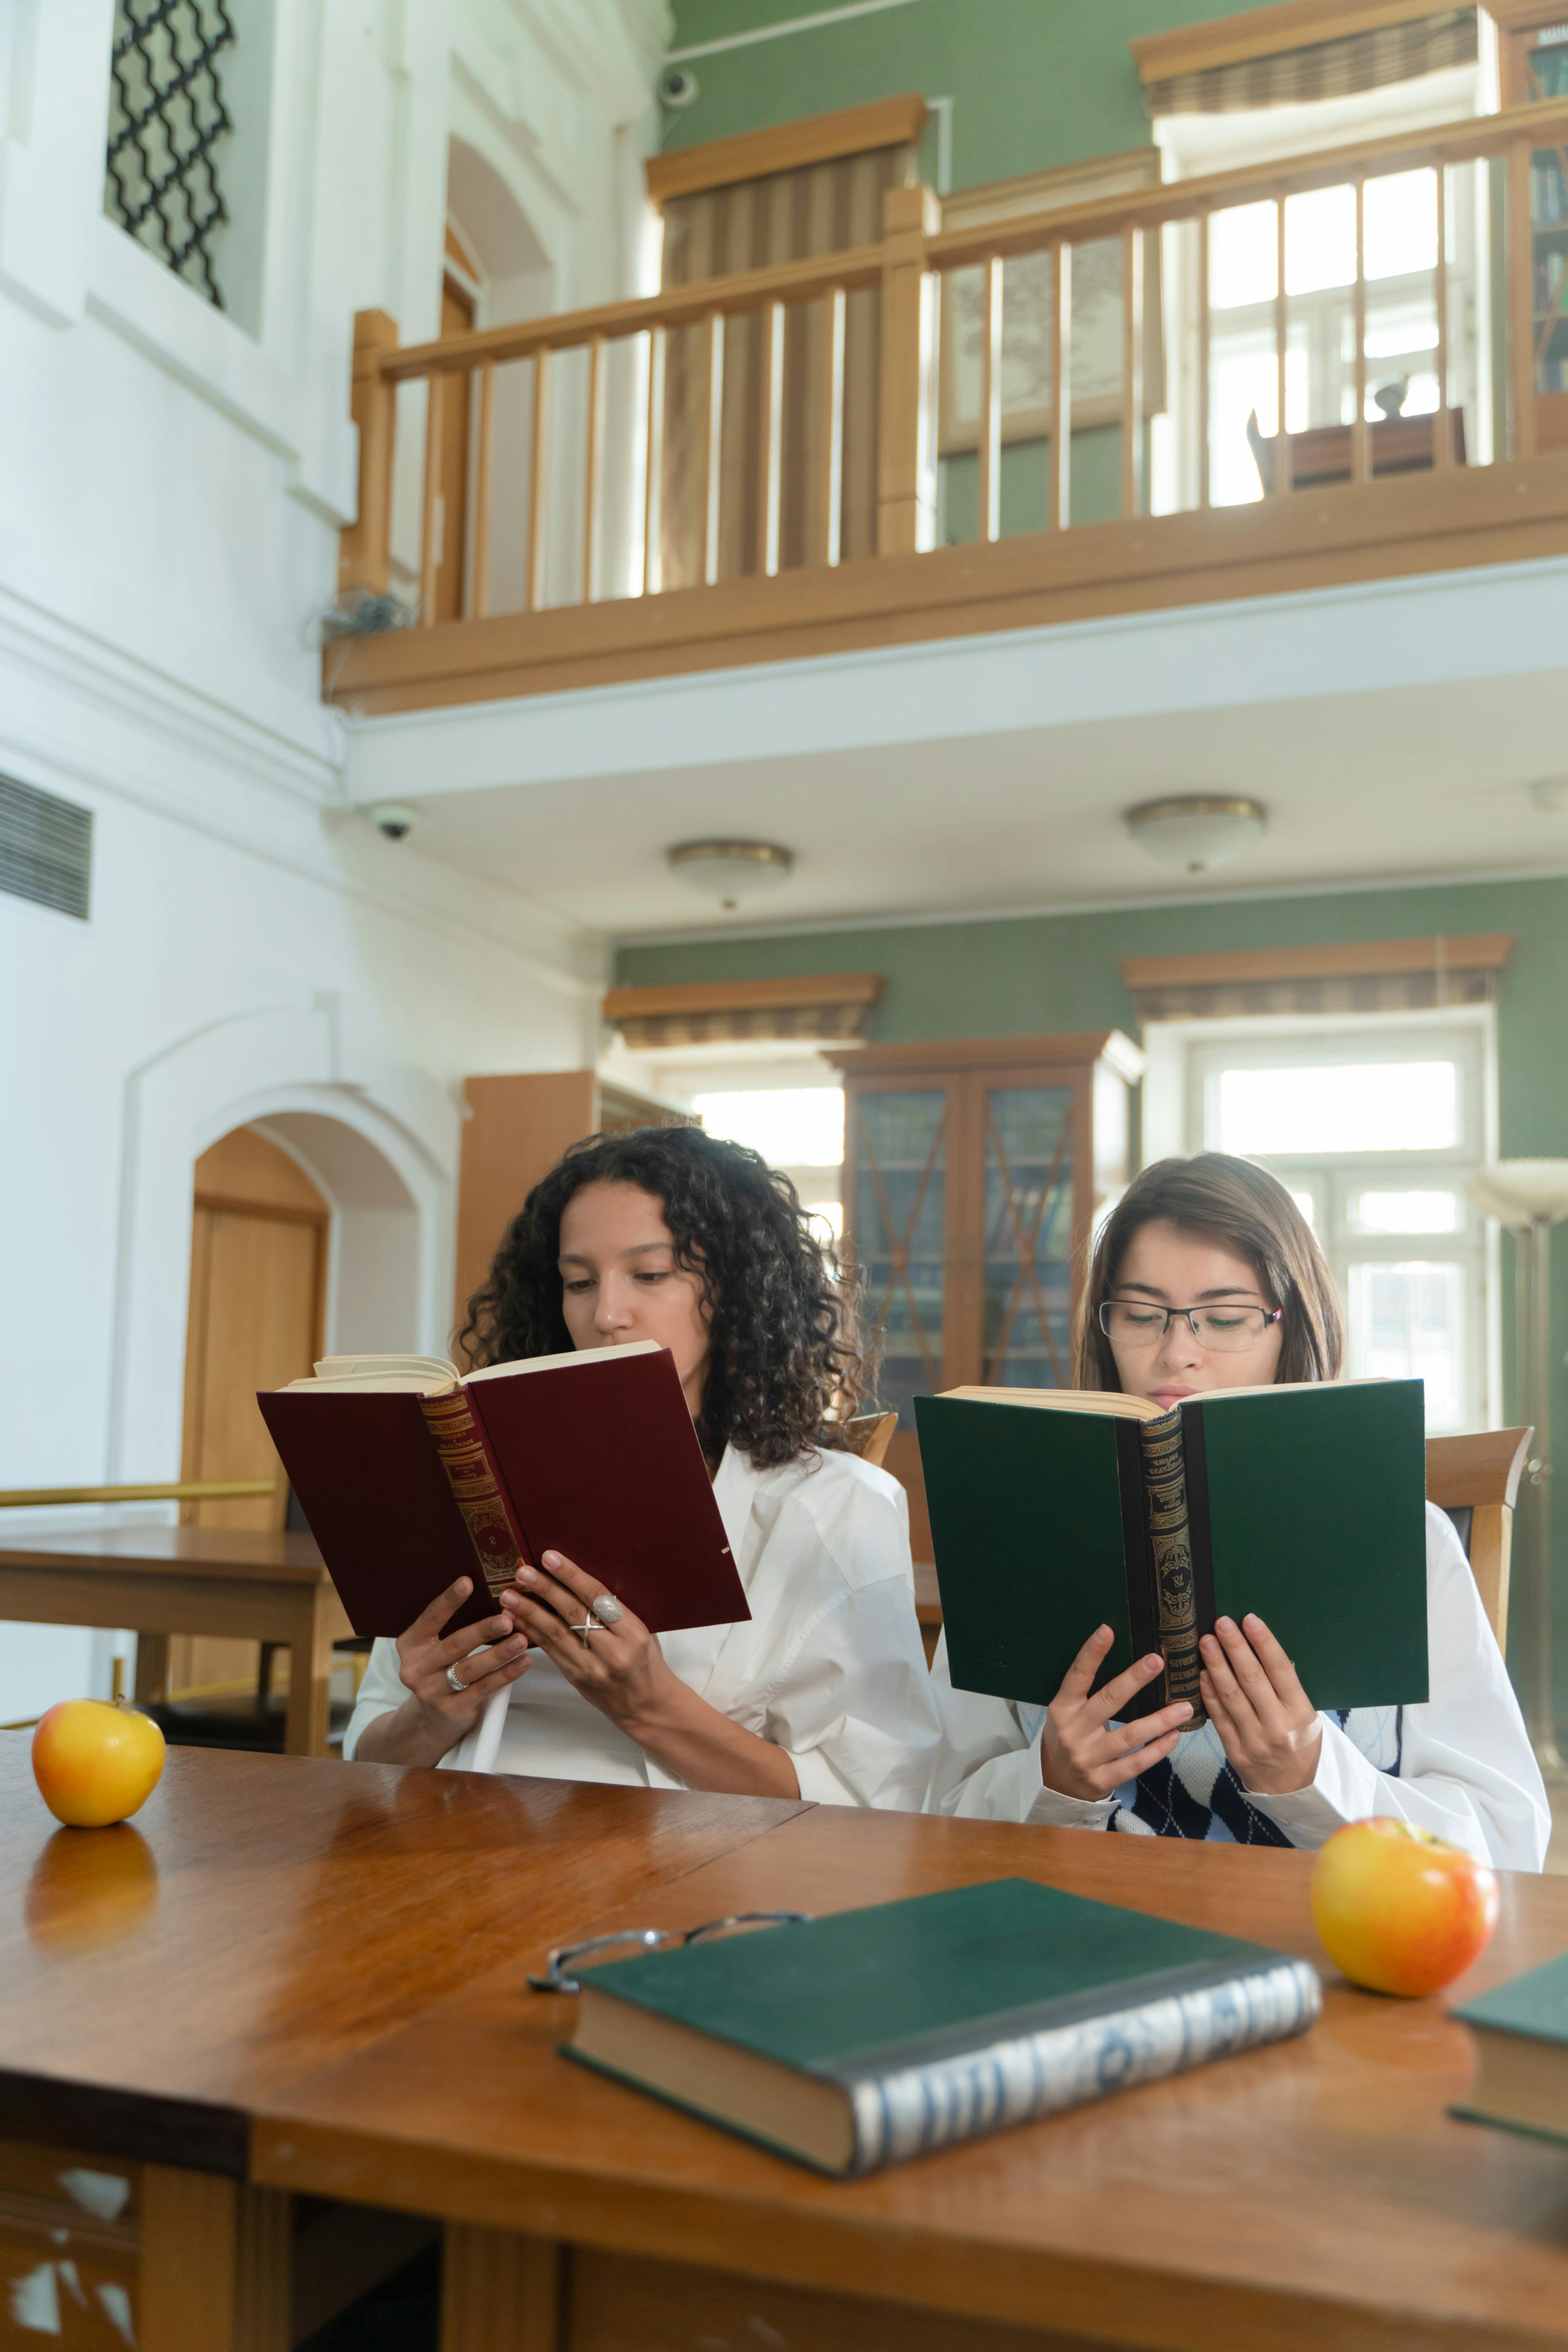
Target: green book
x=861, y=2040
x=1055, y=1511
x=1521, y=2051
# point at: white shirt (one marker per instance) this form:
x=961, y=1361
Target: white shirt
x=829, y=1667
x=1467, y=1770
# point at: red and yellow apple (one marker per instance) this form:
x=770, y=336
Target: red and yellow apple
x=94, y=1763
x=1398, y=1909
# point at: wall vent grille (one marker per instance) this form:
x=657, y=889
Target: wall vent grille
x=46, y=848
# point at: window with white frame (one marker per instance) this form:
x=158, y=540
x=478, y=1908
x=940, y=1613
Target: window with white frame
x=1375, y=1128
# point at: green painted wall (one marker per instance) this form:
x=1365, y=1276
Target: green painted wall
x=1035, y=974
x=1034, y=82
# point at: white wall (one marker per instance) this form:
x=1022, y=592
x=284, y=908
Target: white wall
x=254, y=950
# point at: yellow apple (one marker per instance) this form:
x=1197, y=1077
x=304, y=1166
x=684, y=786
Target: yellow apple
x=1398, y=1909
x=95, y=1764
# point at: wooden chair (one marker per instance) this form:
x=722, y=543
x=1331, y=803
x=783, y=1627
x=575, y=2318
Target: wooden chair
x=1475, y=1479
x=870, y=1435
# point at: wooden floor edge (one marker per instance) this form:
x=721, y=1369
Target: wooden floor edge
x=991, y=610
x=851, y=2252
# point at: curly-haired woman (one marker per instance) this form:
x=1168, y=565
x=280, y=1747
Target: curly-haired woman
x=670, y=1235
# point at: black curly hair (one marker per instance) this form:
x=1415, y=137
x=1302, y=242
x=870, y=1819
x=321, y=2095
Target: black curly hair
x=783, y=1318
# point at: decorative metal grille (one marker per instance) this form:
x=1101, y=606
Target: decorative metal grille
x=46, y=848
x=167, y=120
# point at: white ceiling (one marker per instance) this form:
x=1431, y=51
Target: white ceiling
x=1392, y=730
x=1428, y=782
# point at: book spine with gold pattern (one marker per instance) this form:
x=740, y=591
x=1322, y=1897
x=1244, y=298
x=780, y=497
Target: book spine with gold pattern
x=1171, y=1547
x=465, y=1455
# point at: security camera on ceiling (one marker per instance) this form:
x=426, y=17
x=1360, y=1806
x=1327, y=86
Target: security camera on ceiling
x=394, y=820
x=677, y=88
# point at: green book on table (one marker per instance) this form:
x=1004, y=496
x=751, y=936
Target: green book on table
x=1055, y=1511
x=858, y=2040
x=1521, y=2049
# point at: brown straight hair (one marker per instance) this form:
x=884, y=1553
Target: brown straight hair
x=1249, y=1211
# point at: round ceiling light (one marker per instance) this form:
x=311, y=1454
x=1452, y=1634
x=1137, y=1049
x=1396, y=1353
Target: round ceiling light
x=1197, y=831
x=731, y=871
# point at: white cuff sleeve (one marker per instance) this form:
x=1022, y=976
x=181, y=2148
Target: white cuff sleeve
x=1345, y=1788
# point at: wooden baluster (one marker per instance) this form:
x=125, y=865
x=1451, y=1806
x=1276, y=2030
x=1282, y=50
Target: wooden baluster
x=653, y=479
x=1061, y=389
x=831, y=392
x=905, y=507
x=1442, y=423
x=1132, y=372
x=482, y=445
x=990, y=505
x=1521, y=301
x=364, y=549
x=770, y=440
x=1360, y=444
x=1284, y=462
x=713, y=446
x=538, y=483
x=594, y=461
x=1205, y=486
x=431, y=517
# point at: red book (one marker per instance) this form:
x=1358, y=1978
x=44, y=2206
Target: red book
x=410, y=1477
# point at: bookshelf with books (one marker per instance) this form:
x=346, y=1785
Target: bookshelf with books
x=974, y=1173
x=1533, y=61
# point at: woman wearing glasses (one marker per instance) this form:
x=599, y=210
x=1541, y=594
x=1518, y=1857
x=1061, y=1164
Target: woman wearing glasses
x=1207, y=1277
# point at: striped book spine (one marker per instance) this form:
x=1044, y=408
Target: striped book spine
x=459, y=1443
x=917, y=2109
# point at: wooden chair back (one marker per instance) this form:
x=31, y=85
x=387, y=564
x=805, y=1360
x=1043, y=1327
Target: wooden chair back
x=1475, y=1479
x=870, y=1435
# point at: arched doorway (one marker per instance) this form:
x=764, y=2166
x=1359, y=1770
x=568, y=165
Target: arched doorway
x=261, y=1231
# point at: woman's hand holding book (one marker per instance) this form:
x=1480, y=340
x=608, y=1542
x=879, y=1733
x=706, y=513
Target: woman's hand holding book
x=1084, y=1751
x=620, y=1668
x=1268, y=1725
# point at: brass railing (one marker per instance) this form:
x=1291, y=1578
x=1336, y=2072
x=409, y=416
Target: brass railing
x=564, y=615
x=197, y=1490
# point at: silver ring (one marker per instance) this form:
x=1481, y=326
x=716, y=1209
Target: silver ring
x=584, y=1629
x=606, y=1609
x=453, y=1684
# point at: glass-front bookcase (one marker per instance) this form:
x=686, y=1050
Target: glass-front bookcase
x=974, y=1173
x=1534, y=71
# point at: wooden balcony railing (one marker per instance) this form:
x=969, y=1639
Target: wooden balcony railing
x=699, y=479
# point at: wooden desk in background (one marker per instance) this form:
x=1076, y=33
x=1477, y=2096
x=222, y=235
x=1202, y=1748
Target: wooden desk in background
x=263, y=1586
x=1314, y=2194
x=1324, y=453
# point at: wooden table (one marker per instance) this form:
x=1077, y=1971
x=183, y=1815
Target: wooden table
x=263, y=1918
x=251, y=1583
x=1314, y=2194
x=295, y=1980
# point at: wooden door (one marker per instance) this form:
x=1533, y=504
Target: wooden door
x=258, y=1241
x=452, y=486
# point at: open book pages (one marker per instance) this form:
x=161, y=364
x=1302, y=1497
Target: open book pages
x=427, y=1375
x=1122, y=1407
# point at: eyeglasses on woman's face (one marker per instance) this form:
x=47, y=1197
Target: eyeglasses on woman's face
x=1133, y=1323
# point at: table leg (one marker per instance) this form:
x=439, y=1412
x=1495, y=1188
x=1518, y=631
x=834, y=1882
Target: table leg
x=152, y=1668
x=499, y=2292
x=309, y=1674
x=214, y=2273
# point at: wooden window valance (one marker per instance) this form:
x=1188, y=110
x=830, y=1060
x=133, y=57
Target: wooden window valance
x=787, y=147
x=821, y=1008
x=1294, y=54
x=1373, y=976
